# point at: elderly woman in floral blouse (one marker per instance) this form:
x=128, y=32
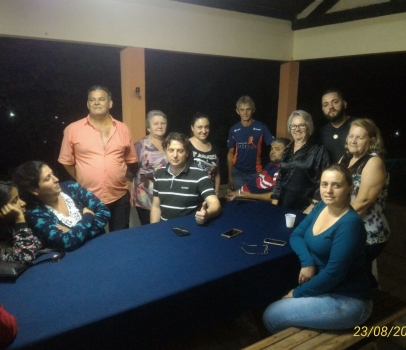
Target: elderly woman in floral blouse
x=150, y=157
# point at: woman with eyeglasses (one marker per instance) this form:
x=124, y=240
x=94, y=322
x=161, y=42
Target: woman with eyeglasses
x=302, y=164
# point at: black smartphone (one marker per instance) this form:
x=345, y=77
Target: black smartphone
x=181, y=231
x=274, y=241
x=231, y=233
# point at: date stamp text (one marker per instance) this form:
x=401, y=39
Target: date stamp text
x=380, y=331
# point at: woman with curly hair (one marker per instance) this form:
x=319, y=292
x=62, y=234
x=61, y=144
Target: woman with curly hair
x=62, y=215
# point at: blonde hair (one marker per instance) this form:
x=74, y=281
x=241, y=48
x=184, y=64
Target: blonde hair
x=373, y=132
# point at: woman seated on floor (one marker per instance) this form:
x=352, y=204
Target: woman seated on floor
x=62, y=215
x=333, y=291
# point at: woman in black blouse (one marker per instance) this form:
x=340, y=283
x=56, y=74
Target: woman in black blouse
x=302, y=164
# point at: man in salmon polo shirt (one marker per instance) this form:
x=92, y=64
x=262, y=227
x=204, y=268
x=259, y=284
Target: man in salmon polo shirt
x=99, y=153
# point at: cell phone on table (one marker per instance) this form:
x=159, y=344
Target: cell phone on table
x=181, y=231
x=232, y=233
x=274, y=241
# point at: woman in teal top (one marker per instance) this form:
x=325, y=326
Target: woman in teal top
x=333, y=290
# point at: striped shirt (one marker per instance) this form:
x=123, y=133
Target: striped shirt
x=182, y=194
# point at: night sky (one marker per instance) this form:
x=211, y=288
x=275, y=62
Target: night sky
x=44, y=84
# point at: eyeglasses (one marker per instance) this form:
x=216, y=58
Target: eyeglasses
x=265, y=252
x=300, y=126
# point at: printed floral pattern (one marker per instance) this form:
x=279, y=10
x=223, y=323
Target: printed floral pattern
x=150, y=160
x=21, y=247
x=45, y=223
x=375, y=221
x=74, y=213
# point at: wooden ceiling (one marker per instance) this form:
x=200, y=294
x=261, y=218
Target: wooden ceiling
x=309, y=13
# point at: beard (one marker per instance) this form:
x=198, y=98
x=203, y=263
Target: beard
x=340, y=114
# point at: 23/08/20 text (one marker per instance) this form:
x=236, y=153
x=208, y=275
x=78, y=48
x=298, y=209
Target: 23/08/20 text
x=379, y=331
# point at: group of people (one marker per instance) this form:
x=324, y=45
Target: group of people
x=341, y=183
x=338, y=179
x=177, y=175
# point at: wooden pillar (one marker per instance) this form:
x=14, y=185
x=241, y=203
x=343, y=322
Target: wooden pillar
x=132, y=60
x=288, y=86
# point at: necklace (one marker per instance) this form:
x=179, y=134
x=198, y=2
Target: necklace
x=335, y=136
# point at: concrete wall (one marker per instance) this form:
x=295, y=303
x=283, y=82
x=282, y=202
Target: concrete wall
x=374, y=35
x=154, y=24
x=173, y=26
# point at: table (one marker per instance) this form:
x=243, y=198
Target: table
x=144, y=286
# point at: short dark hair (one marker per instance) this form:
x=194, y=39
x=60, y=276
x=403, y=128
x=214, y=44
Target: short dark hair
x=197, y=116
x=177, y=136
x=5, y=192
x=342, y=169
x=26, y=178
x=283, y=140
x=99, y=87
x=332, y=91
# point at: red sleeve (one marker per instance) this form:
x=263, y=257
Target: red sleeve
x=8, y=327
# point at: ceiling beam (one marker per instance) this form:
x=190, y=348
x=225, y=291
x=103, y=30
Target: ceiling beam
x=261, y=8
x=322, y=8
x=300, y=6
x=359, y=13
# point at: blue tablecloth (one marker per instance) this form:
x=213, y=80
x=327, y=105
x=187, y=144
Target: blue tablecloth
x=146, y=285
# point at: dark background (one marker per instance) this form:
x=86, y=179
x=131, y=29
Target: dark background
x=45, y=84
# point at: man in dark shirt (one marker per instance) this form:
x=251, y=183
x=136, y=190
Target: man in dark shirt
x=333, y=135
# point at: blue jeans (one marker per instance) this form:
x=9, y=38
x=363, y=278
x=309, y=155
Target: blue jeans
x=327, y=311
x=240, y=178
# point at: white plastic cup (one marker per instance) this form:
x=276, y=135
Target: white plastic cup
x=290, y=220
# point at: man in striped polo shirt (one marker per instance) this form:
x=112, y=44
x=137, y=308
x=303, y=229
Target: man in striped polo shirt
x=181, y=188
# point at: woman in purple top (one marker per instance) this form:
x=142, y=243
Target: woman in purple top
x=150, y=157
